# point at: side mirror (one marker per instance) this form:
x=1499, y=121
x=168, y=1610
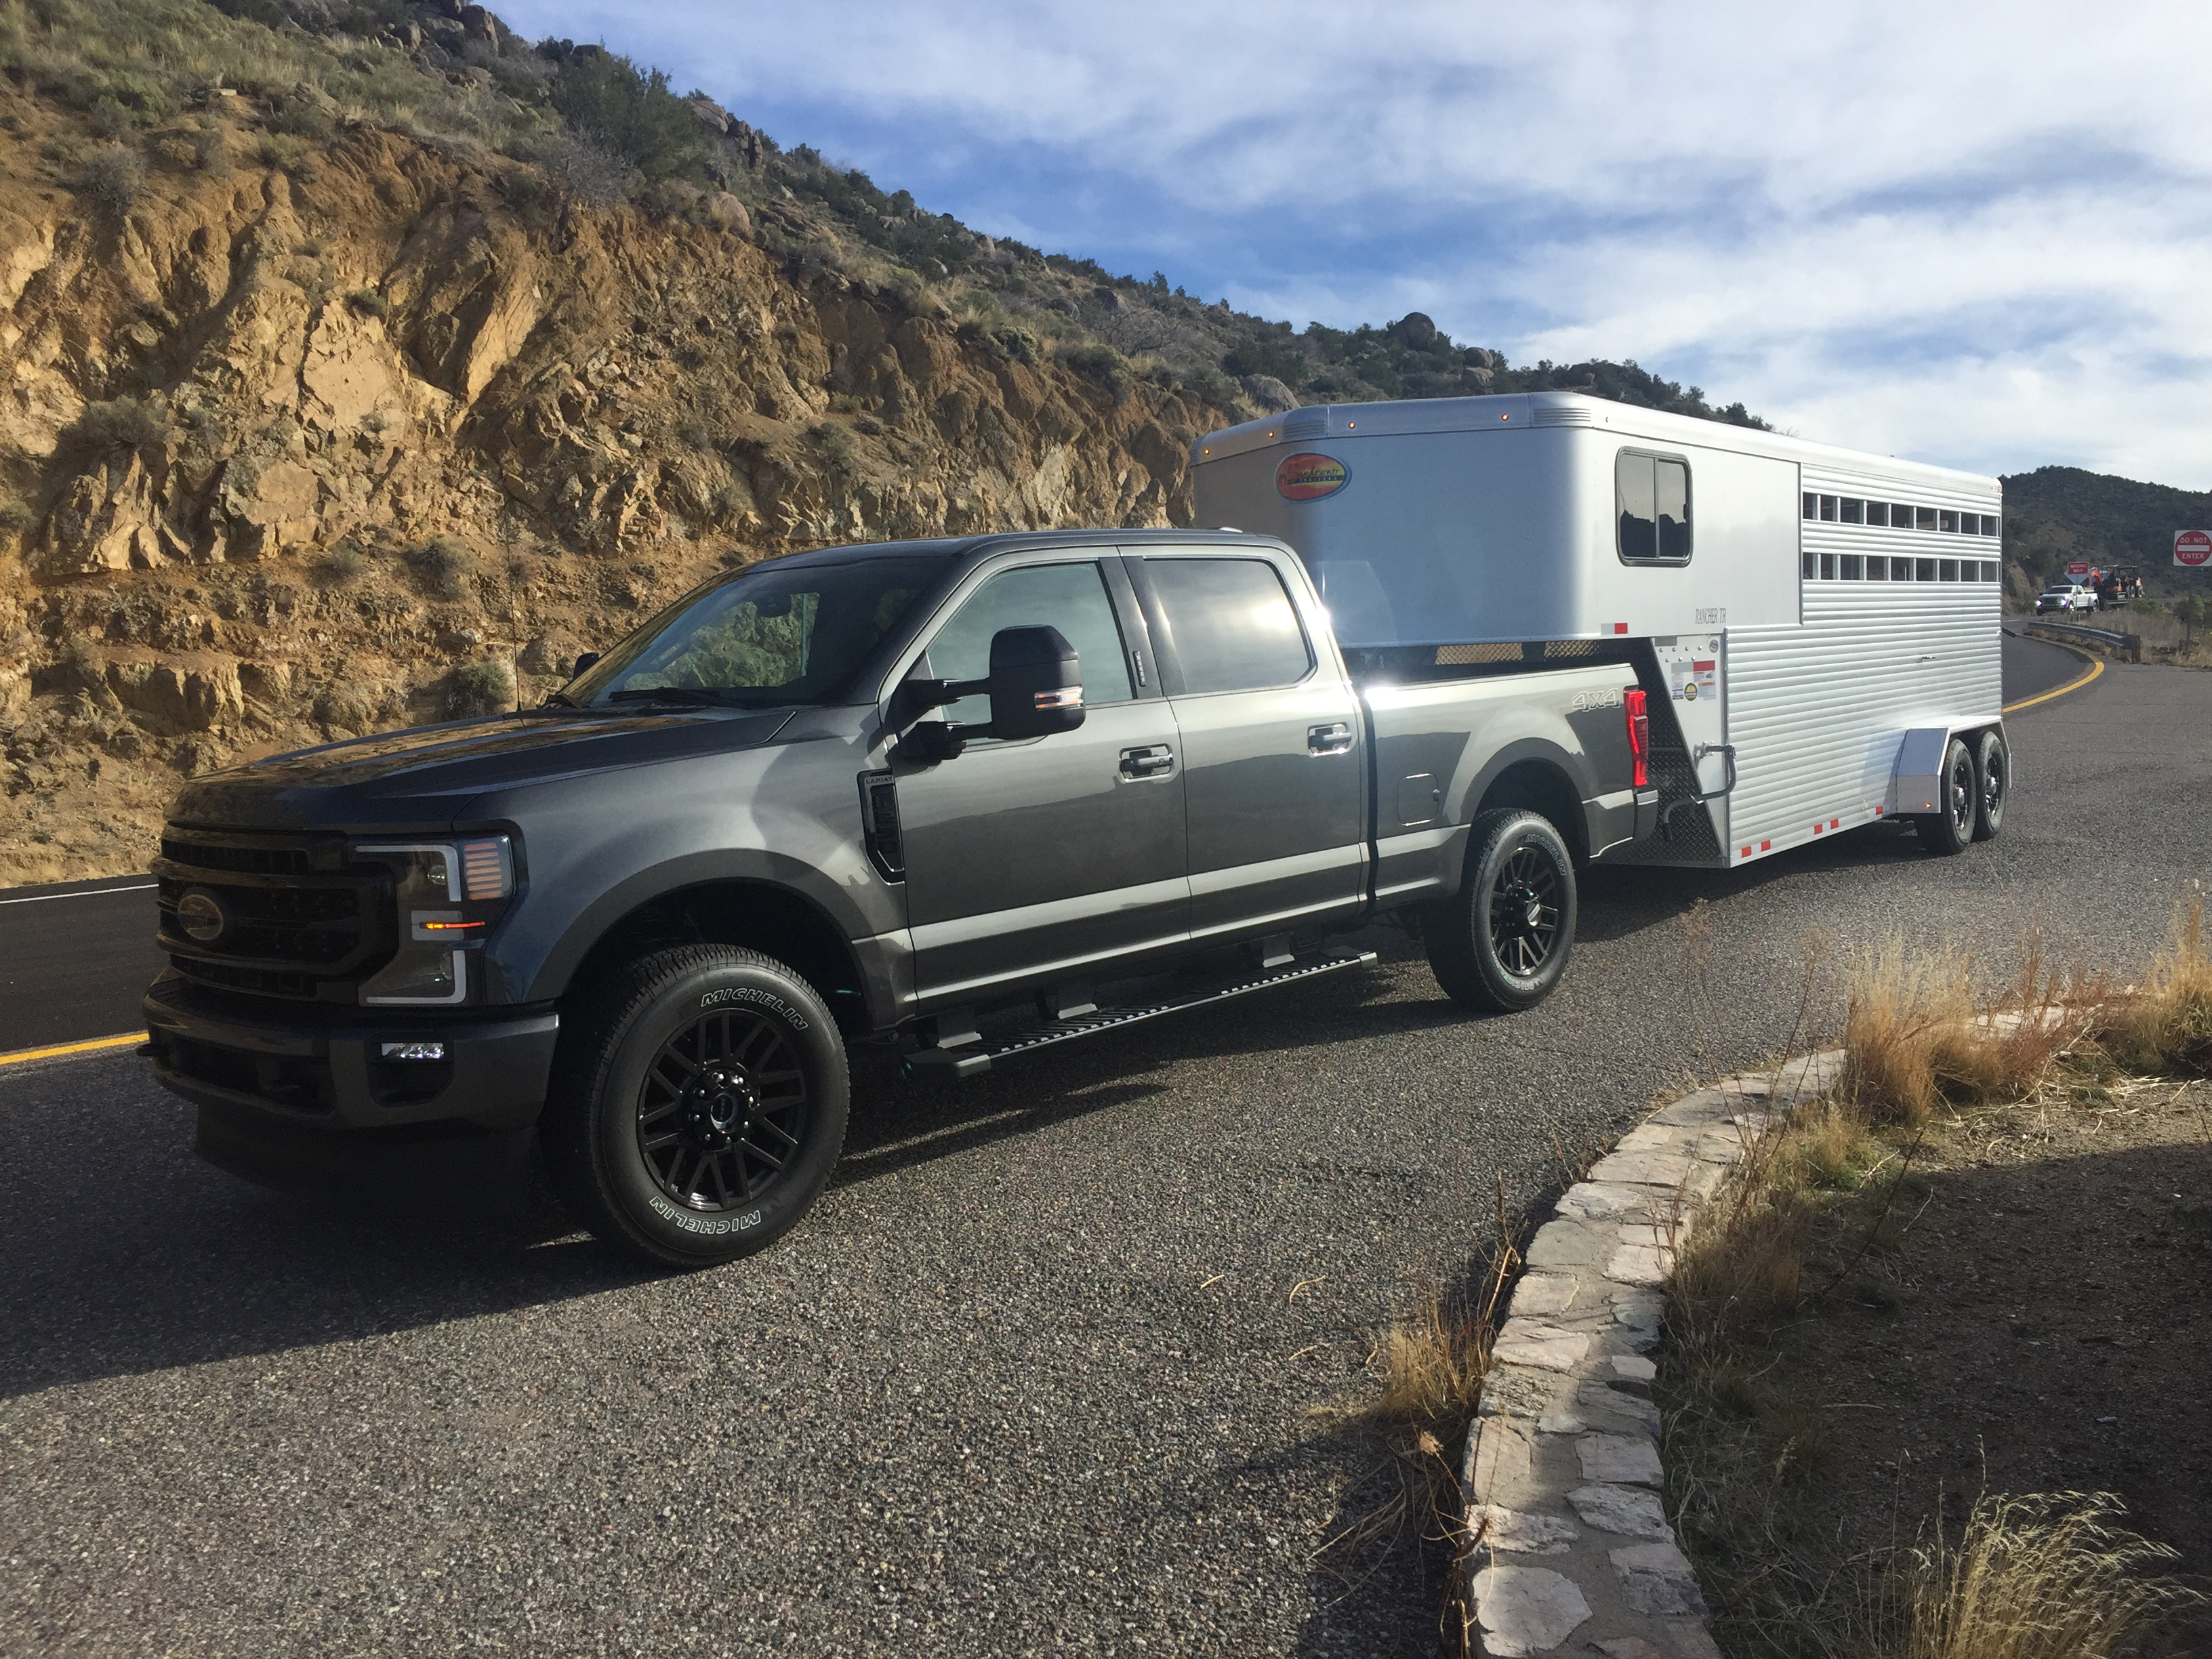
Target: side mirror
x=583, y=663
x=1035, y=685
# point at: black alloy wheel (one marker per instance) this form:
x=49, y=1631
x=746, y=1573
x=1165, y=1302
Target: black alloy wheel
x=1524, y=912
x=1993, y=765
x=698, y=1104
x=1950, y=828
x=1501, y=943
x=721, y=1111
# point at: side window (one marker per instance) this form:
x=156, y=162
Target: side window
x=1651, y=495
x=1071, y=597
x=1235, y=628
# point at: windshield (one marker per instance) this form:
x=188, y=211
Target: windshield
x=772, y=634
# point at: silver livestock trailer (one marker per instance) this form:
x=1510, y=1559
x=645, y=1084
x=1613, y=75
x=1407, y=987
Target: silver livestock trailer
x=1816, y=630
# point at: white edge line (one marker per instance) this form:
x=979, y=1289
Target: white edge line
x=97, y=892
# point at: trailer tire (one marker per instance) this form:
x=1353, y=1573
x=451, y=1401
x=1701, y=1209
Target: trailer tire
x=1501, y=943
x=1950, y=829
x=1993, y=778
x=698, y=1105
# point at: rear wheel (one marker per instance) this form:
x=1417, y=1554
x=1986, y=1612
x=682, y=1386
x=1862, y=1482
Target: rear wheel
x=698, y=1107
x=1993, y=772
x=1950, y=828
x=1502, y=942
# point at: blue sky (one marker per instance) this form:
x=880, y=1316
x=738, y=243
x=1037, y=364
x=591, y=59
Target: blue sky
x=1973, y=233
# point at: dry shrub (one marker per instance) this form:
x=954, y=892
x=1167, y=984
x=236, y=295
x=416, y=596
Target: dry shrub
x=2168, y=1023
x=2040, y=1576
x=1916, y=1037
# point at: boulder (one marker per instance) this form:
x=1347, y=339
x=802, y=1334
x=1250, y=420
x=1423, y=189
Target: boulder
x=1270, y=393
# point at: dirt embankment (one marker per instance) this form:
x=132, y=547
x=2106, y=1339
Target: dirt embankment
x=371, y=434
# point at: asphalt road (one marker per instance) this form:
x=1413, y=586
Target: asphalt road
x=1040, y=1375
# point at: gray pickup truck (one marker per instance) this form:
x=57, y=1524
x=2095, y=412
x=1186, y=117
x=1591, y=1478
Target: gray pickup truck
x=949, y=795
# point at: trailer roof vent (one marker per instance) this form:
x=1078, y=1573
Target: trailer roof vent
x=1306, y=423
x=1561, y=415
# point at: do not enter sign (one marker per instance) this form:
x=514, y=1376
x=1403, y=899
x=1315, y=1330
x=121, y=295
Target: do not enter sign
x=2192, y=547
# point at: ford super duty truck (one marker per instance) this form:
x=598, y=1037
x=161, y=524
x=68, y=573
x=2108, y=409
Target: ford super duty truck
x=949, y=795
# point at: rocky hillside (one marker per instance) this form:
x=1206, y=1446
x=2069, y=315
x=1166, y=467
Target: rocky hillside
x=2057, y=513
x=363, y=362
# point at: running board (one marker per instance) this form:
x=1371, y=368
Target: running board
x=973, y=1059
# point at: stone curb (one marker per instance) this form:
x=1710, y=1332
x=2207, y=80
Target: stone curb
x=1572, y=1551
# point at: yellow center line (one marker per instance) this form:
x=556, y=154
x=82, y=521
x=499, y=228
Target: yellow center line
x=60, y=1048
x=2096, y=667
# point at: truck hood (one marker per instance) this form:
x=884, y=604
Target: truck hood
x=426, y=774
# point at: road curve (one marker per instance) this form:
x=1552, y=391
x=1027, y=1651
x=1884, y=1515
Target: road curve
x=1040, y=1374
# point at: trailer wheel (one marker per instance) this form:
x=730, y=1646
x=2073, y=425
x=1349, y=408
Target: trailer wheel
x=1501, y=943
x=698, y=1105
x=1950, y=829
x=1993, y=772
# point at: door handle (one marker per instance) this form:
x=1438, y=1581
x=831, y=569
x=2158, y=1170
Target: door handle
x=1148, y=763
x=1333, y=739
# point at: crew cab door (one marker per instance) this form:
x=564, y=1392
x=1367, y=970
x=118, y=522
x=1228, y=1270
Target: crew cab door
x=1273, y=752
x=1056, y=857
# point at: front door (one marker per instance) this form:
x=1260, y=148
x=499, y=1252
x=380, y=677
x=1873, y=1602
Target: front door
x=1273, y=755
x=1051, y=858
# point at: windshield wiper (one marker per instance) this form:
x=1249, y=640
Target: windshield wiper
x=695, y=695
x=560, y=700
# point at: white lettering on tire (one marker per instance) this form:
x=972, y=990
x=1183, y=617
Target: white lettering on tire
x=691, y=1222
x=767, y=999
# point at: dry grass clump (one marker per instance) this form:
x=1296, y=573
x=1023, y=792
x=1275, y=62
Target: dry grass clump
x=2041, y=1577
x=1918, y=1037
x=2167, y=1024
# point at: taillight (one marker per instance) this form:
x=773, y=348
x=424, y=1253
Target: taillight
x=1640, y=735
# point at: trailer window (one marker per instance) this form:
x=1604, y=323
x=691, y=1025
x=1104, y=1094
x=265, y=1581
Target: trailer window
x=1989, y=524
x=1950, y=570
x=1947, y=522
x=1878, y=513
x=1900, y=516
x=1811, y=505
x=1809, y=563
x=1828, y=509
x=1854, y=510
x=1989, y=570
x=1923, y=518
x=1853, y=568
x=1924, y=570
x=1651, y=495
x=1877, y=569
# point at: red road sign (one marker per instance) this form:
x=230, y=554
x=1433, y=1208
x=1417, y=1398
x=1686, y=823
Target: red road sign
x=2079, y=568
x=2192, y=547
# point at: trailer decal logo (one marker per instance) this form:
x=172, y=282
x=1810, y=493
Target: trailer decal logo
x=1309, y=477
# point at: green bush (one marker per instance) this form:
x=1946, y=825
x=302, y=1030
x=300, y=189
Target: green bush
x=339, y=565
x=370, y=302
x=480, y=688
x=113, y=178
x=211, y=152
x=283, y=151
x=444, y=565
x=15, y=515
x=115, y=427
x=604, y=98
x=1101, y=364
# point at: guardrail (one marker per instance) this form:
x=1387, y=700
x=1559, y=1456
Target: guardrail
x=2130, y=644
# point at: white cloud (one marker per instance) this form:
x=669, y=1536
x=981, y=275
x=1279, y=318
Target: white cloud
x=1969, y=232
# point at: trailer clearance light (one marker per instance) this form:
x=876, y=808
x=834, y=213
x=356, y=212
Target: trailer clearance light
x=1639, y=734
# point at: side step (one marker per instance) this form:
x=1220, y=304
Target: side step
x=972, y=1058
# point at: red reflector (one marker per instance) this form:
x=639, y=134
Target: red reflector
x=1747, y=852
x=1640, y=735
x=1835, y=823
x=1877, y=811
x=1620, y=627
x=1818, y=828
x=1766, y=847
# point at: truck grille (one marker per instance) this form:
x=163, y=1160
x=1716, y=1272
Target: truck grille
x=298, y=921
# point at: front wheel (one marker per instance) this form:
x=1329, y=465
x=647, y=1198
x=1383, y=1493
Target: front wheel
x=698, y=1106
x=1993, y=769
x=1950, y=828
x=1501, y=943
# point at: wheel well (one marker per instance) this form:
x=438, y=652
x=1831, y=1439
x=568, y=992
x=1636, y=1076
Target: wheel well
x=1538, y=786
x=772, y=920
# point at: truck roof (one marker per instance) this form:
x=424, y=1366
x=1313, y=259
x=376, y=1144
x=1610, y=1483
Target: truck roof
x=982, y=546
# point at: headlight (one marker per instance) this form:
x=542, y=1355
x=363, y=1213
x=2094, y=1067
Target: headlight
x=448, y=896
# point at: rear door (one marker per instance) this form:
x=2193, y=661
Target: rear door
x=1273, y=749
x=1052, y=857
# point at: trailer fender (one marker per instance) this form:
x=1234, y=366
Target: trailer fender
x=1916, y=780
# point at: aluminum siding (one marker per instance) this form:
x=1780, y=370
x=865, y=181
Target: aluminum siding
x=1816, y=711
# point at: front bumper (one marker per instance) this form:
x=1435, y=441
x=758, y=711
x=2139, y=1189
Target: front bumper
x=309, y=1098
